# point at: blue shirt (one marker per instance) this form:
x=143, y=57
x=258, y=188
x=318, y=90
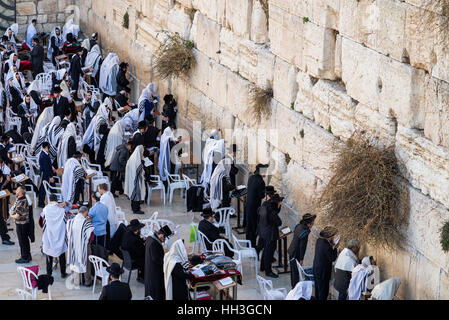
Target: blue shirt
x=99, y=214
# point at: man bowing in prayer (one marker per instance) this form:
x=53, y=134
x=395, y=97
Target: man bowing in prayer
x=79, y=233
x=168, y=140
x=154, y=264
x=134, y=180
x=73, y=180
x=54, y=237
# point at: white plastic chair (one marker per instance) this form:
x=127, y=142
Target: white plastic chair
x=219, y=246
x=267, y=291
x=44, y=82
x=224, y=219
x=24, y=295
x=246, y=251
x=150, y=227
x=159, y=186
x=303, y=275
x=12, y=120
x=27, y=284
x=96, y=181
x=48, y=190
x=121, y=217
x=174, y=182
x=203, y=240
x=98, y=264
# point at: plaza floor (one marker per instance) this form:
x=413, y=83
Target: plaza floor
x=63, y=289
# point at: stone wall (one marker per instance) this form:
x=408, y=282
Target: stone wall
x=335, y=66
x=49, y=14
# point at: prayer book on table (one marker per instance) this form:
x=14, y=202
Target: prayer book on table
x=20, y=178
x=226, y=281
x=147, y=162
x=4, y=194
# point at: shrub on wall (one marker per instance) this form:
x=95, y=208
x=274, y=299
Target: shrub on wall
x=259, y=102
x=126, y=20
x=175, y=57
x=366, y=195
x=444, y=237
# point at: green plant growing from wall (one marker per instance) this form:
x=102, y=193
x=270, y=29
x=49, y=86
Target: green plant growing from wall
x=329, y=129
x=175, y=57
x=444, y=237
x=305, y=19
x=301, y=133
x=126, y=20
x=259, y=102
x=366, y=195
x=292, y=106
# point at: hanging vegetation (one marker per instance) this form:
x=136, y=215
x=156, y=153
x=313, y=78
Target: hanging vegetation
x=126, y=20
x=444, y=237
x=175, y=57
x=365, y=197
x=259, y=102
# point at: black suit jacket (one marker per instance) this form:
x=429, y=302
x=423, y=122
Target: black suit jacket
x=37, y=59
x=60, y=108
x=134, y=244
x=45, y=166
x=76, y=67
x=116, y=290
x=4, y=154
x=210, y=231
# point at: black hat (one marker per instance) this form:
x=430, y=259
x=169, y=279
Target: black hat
x=123, y=65
x=276, y=198
x=115, y=270
x=308, y=218
x=57, y=89
x=166, y=231
x=79, y=49
x=128, y=90
x=135, y=225
x=328, y=232
x=207, y=212
x=150, y=119
x=5, y=38
x=261, y=166
x=168, y=98
x=270, y=190
x=142, y=125
x=234, y=148
x=77, y=155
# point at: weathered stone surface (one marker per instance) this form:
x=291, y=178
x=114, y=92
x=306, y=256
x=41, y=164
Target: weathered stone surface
x=238, y=17
x=179, y=22
x=26, y=8
x=259, y=24
x=213, y=9
x=285, y=87
x=205, y=34
x=436, y=112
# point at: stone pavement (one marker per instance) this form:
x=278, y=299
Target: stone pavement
x=63, y=290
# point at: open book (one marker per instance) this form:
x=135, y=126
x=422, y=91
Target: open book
x=147, y=162
x=226, y=281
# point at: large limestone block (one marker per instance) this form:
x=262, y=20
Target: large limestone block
x=319, y=51
x=237, y=96
x=265, y=67
x=259, y=23
x=358, y=20
x=99, y=8
x=324, y=12
x=186, y=3
x=26, y=8
x=229, y=50
x=46, y=6
x=205, y=34
x=337, y=67
x=238, y=17
x=286, y=35
x=436, y=123
x=384, y=84
x=179, y=22
x=213, y=9
x=217, y=89
x=199, y=76
x=304, y=99
x=426, y=164
x=285, y=87
x=249, y=59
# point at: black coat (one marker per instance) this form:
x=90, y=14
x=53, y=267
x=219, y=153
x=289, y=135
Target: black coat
x=37, y=59
x=269, y=221
x=180, y=290
x=210, y=231
x=325, y=255
x=342, y=279
x=154, y=269
x=122, y=82
x=150, y=137
x=76, y=67
x=298, y=246
x=60, y=107
x=4, y=154
x=138, y=140
x=16, y=97
x=120, y=159
x=71, y=147
x=135, y=245
x=256, y=193
x=116, y=290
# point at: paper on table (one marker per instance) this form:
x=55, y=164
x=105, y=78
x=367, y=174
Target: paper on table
x=286, y=230
x=2, y=193
x=19, y=178
x=337, y=240
x=147, y=162
x=226, y=281
x=241, y=187
x=198, y=273
x=90, y=171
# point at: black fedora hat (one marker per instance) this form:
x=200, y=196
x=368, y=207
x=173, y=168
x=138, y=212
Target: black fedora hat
x=207, y=212
x=308, y=218
x=270, y=190
x=166, y=231
x=57, y=89
x=115, y=270
x=135, y=225
x=276, y=198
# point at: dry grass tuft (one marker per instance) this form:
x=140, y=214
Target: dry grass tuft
x=175, y=57
x=366, y=197
x=259, y=102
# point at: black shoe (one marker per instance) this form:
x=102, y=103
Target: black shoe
x=89, y=284
x=7, y=243
x=272, y=275
x=115, y=196
x=140, y=280
x=22, y=261
x=273, y=260
x=64, y=275
x=139, y=212
x=41, y=206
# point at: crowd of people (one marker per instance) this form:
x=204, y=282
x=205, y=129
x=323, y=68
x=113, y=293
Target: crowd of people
x=73, y=119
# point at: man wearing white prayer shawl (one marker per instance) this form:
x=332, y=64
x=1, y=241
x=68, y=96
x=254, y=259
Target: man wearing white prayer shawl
x=55, y=44
x=108, y=74
x=116, y=137
x=54, y=236
x=93, y=59
x=302, y=291
x=31, y=33
x=67, y=146
x=92, y=137
x=12, y=32
x=386, y=290
x=72, y=180
x=176, y=272
x=134, y=180
x=70, y=27
x=50, y=133
x=167, y=141
x=220, y=185
x=134, y=115
x=213, y=152
x=108, y=200
x=44, y=119
x=346, y=262
x=79, y=232
x=359, y=279
x=147, y=101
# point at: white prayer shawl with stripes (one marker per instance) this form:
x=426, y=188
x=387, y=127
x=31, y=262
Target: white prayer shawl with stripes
x=176, y=254
x=216, y=182
x=70, y=131
x=134, y=116
x=46, y=136
x=54, y=236
x=73, y=172
x=54, y=134
x=31, y=33
x=115, y=138
x=108, y=74
x=59, y=41
x=164, y=162
x=212, y=146
x=108, y=200
x=79, y=230
x=93, y=59
x=134, y=181
x=43, y=120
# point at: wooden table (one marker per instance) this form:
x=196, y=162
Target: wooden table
x=282, y=250
x=209, y=280
x=225, y=289
x=25, y=178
